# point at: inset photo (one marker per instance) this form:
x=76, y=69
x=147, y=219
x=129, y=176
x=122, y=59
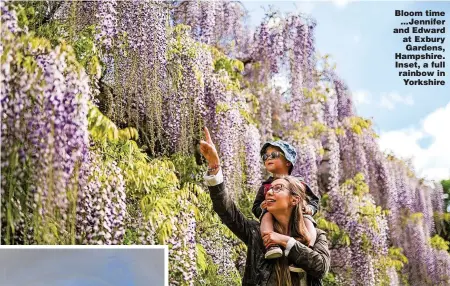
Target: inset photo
x=84, y=266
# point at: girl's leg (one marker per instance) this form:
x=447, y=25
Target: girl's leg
x=312, y=231
x=273, y=251
x=266, y=222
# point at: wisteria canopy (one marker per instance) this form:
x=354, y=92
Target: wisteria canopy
x=102, y=107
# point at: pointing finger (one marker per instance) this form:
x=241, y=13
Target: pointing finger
x=207, y=136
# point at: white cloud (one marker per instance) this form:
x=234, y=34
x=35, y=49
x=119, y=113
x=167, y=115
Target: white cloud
x=389, y=100
x=432, y=162
x=305, y=7
x=361, y=97
x=341, y=3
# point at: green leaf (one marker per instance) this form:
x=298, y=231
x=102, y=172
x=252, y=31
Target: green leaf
x=201, y=257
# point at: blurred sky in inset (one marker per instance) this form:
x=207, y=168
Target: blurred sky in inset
x=81, y=267
x=411, y=120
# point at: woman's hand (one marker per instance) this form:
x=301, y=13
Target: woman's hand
x=209, y=151
x=271, y=237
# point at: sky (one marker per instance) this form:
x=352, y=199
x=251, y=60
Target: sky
x=82, y=267
x=412, y=121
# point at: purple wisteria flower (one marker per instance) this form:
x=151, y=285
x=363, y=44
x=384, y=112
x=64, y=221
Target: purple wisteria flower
x=182, y=248
x=101, y=209
x=107, y=23
x=44, y=123
x=253, y=162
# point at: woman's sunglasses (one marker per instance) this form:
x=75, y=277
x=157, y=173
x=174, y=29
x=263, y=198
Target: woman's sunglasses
x=273, y=155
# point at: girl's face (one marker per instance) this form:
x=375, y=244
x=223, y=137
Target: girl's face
x=278, y=165
x=279, y=198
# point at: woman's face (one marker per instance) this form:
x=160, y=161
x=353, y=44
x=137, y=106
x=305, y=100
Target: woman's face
x=276, y=165
x=278, y=197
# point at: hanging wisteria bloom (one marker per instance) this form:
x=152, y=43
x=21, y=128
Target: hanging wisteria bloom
x=101, y=209
x=418, y=252
x=230, y=125
x=186, y=103
x=422, y=204
x=265, y=115
x=211, y=21
x=107, y=23
x=306, y=165
x=253, y=162
x=368, y=240
x=328, y=169
x=219, y=248
x=344, y=100
x=44, y=122
x=133, y=38
x=182, y=248
x=437, y=198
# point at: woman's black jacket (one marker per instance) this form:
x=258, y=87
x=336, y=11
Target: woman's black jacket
x=315, y=261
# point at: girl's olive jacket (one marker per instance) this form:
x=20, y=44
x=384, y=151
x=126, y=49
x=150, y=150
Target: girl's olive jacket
x=258, y=270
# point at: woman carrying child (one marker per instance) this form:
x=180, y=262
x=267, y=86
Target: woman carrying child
x=279, y=158
x=284, y=200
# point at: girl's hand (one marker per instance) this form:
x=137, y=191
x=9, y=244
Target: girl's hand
x=271, y=237
x=208, y=150
x=263, y=205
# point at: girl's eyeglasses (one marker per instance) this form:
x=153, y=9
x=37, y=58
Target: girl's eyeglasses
x=277, y=188
x=273, y=155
